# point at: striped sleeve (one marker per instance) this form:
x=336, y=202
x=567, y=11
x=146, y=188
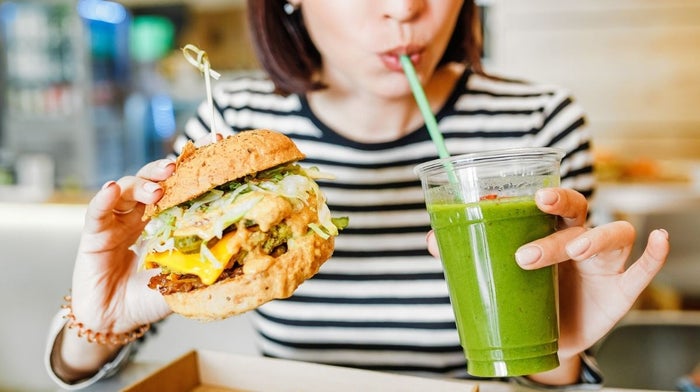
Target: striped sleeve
x=565, y=127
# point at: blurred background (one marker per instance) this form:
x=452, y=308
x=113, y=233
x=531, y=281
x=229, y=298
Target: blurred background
x=92, y=89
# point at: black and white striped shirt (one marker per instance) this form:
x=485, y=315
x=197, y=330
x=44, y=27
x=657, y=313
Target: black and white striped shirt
x=381, y=302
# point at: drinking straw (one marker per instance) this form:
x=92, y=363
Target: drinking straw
x=424, y=106
x=428, y=116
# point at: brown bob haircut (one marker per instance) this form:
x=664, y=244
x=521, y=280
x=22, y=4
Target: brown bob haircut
x=286, y=52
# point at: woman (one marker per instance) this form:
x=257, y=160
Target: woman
x=336, y=87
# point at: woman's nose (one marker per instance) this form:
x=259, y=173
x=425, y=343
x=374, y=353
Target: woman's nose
x=402, y=10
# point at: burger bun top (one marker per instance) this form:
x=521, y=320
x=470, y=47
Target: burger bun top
x=200, y=169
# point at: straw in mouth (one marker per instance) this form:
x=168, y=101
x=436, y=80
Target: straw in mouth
x=424, y=106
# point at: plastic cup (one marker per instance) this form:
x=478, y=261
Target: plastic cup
x=482, y=210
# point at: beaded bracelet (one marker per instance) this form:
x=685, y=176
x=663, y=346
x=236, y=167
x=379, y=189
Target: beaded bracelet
x=101, y=337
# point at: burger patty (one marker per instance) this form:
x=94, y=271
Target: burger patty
x=170, y=283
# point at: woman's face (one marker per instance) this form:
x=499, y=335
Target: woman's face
x=361, y=40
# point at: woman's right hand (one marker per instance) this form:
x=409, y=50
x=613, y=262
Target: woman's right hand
x=110, y=292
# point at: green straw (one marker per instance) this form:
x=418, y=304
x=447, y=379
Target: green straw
x=428, y=117
x=424, y=106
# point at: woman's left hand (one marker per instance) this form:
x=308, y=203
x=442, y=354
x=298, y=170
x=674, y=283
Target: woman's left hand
x=596, y=287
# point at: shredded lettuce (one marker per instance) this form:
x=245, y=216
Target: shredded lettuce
x=207, y=254
x=227, y=204
x=316, y=174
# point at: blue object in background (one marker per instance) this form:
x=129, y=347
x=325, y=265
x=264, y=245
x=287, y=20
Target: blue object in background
x=107, y=25
x=107, y=28
x=148, y=111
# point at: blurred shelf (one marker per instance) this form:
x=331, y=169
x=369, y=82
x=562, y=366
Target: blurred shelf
x=647, y=198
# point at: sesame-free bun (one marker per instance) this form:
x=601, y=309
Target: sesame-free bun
x=201, y=169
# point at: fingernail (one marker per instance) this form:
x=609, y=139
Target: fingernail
x=578, y=246
x=108, y=184
x=164, y=163
x=546, y=197
x=528, y=255
x=151, y=187
x=663, y=232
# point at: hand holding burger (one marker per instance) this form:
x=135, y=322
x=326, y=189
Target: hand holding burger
x=227, y=227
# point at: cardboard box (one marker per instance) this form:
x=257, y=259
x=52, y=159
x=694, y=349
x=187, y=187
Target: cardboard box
x=209, y=371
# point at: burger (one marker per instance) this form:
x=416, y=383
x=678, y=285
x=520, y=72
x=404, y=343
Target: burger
x=240, y=223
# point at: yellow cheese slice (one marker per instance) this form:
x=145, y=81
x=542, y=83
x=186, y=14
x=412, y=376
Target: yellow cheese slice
x=194, y=263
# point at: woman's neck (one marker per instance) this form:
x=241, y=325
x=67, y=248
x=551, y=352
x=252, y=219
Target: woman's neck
x=373, y=119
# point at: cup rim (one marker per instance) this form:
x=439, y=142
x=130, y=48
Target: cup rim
x=488, y=156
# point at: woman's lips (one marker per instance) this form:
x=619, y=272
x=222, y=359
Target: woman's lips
x=392, y=61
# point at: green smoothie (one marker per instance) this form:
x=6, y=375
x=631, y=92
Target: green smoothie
x=506, y=316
